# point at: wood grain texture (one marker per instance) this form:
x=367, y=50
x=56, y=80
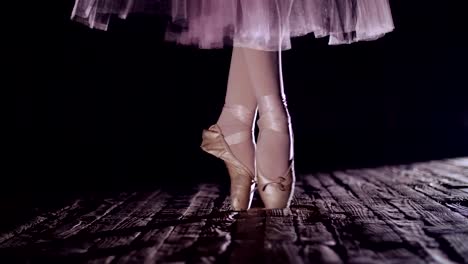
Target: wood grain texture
x=413, y=213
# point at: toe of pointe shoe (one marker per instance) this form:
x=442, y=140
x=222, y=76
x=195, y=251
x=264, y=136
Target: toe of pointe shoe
x=277, y=194
x=242, y=180
x=241, y=193
x=277, y=198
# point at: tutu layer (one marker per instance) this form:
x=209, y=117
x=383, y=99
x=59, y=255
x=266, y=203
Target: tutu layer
x=257, y=24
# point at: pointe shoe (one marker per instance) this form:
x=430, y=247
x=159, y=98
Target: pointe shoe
x=275, y=192
x=242, y=179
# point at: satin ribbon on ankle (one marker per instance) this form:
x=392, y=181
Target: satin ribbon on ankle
x=270, y=117
x=243, y=114
x=281, y=182
x=238, y=137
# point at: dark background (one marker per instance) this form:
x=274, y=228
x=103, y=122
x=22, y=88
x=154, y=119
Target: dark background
x=102, y=110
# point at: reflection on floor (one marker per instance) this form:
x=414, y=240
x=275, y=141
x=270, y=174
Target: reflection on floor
x=414, y=213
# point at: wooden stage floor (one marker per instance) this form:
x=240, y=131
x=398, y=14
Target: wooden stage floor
x=414, y=213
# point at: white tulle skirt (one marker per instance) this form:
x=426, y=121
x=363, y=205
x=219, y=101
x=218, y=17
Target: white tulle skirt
x=258, y=24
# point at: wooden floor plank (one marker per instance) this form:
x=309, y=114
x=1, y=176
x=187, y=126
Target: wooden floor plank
x=4, y=236
x=309, y=225
x=310, y=212
x=102, y=260
x=412, y=213
x=379, y=198
x=379, y=228
x=449, y=166
x=430, y=211
x=45, y=221
x=459, y=208
x=214, y=240
x=106, y=206
x=73, y=218
x=281, y=238
x=282, y=252
x=460, y=162
x=137, y=214
x=341, y=201
x=457, y=243
x=319, y=253
x=188, y=217
x=450, y=178
x=279, y=226
x=425, y=205
x=248, y=233
x=439, y=190
x=460, y=178
x=120, y=216
x=185, y=236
